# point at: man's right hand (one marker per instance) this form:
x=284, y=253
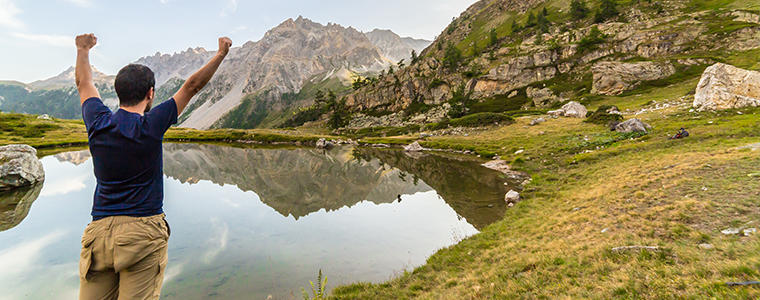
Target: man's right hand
x=86, y=41
x=224, y=45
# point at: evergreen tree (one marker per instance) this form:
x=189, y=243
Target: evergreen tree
x=531, y=20
x=578, y=10
x=607, y=9
x=545, y=12
x=494, y=37
x=414, y=56
x=542, y=24
x=452, y=57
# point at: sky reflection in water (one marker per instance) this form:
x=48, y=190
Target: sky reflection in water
x=226, y=243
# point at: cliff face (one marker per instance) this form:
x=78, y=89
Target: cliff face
x=178, y=65
x=497, y=65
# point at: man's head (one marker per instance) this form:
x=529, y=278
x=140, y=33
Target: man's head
x=133, y=84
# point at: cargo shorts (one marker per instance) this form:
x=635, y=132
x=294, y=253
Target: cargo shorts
x=123, y=258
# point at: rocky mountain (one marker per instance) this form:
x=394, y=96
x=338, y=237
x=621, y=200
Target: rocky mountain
x=502, y=55
x=67, y=79
x=56, y=96
x=250, y=84
x=394, y=47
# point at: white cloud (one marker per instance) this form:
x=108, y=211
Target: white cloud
x=229, y=7
x=239, y=28
x=8, y=11
x=50, y=40
x=66, y=186
x=83, y=3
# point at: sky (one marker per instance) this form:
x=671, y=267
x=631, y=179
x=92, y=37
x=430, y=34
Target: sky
x=37, y=36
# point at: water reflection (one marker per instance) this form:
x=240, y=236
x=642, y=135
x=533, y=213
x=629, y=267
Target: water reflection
x=15, y=205
x=249, y=223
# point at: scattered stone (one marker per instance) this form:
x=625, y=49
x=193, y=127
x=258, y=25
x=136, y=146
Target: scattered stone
x=632, y=125
x=413, y=147
x=749, y=231
x=706, y=246
x=704, y=189
x=468, y=152
x=519, y=151
x=535, y=122
x=731, y=231
x=324, y=144
x=512, y=197
x=754, y=175
x=43, y=117
x=556, y=113
x=20, y=167
x=511, y=205
x=424, y=135
x=512, y=94
x=726, y=87
x=752, y=147
x=638, y=248
x=605, y=230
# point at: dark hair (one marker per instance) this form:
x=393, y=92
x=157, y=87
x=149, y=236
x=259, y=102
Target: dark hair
x=133, y=83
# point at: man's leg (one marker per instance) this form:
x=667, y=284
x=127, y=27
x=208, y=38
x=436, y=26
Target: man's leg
x=97, y=280
x=140, y=255
x=143, y=280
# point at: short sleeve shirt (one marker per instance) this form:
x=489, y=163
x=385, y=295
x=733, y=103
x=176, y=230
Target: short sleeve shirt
x=127, y=158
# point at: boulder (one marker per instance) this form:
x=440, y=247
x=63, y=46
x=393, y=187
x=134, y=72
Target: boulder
x=614, y=78
x=725, y=87
x=324, y=144
x=413, y=147
x=20, y=167
x=633, y=125
x=512, y=197
x=574, y=110
x=556, y=113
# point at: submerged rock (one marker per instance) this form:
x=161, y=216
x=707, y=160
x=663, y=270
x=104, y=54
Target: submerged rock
x=725, y=87
x=20, y=167
x=633, y=125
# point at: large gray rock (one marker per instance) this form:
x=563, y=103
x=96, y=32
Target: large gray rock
x=633, y=125
x=614, y=78
x=512, y=197
x=20, y=167
x=724, y=87
x=574, y=110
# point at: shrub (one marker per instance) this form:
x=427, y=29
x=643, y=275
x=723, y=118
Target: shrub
x=590, y=42
x=578, y=10
x=601, y=117
x=607, y=9
x=481, y=119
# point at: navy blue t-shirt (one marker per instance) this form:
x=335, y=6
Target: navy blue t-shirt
x=128, y=158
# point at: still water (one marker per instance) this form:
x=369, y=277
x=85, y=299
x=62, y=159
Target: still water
x=249, y=223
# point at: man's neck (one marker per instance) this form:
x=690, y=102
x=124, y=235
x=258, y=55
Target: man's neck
x=137, y=109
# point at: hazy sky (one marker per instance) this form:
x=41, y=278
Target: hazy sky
x=37, y=36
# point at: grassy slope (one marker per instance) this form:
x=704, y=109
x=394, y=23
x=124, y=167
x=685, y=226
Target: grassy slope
x=647, y=191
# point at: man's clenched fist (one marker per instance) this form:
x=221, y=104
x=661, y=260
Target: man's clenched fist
x=86, y=41
x=224, y=45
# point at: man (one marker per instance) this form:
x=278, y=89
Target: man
x=124, y=249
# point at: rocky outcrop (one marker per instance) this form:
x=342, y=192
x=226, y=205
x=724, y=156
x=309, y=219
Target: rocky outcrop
x=20, y=167
x=177, y=65
x=324, y=144
x=67, y=79
x=724, y=87
x=542, y=97
x=614, y=78
x=633, y=125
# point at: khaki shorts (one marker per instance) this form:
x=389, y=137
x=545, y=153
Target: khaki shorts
x=123, y=258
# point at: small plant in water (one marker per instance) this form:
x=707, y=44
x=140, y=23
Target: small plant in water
x=318, y=291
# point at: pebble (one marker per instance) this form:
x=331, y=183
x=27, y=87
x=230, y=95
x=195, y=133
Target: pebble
x=706, y=246
x=605, y=230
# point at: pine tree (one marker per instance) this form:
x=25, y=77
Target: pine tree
x=578, y=10
x=531, y=20
x=607, y=9
x=494, y=37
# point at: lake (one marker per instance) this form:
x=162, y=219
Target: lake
x=248, y=223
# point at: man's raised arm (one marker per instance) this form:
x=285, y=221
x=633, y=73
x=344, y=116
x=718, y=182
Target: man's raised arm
x=198, y=80
x=83, y=71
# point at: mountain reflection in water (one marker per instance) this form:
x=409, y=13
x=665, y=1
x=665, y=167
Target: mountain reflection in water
x=248, y=223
